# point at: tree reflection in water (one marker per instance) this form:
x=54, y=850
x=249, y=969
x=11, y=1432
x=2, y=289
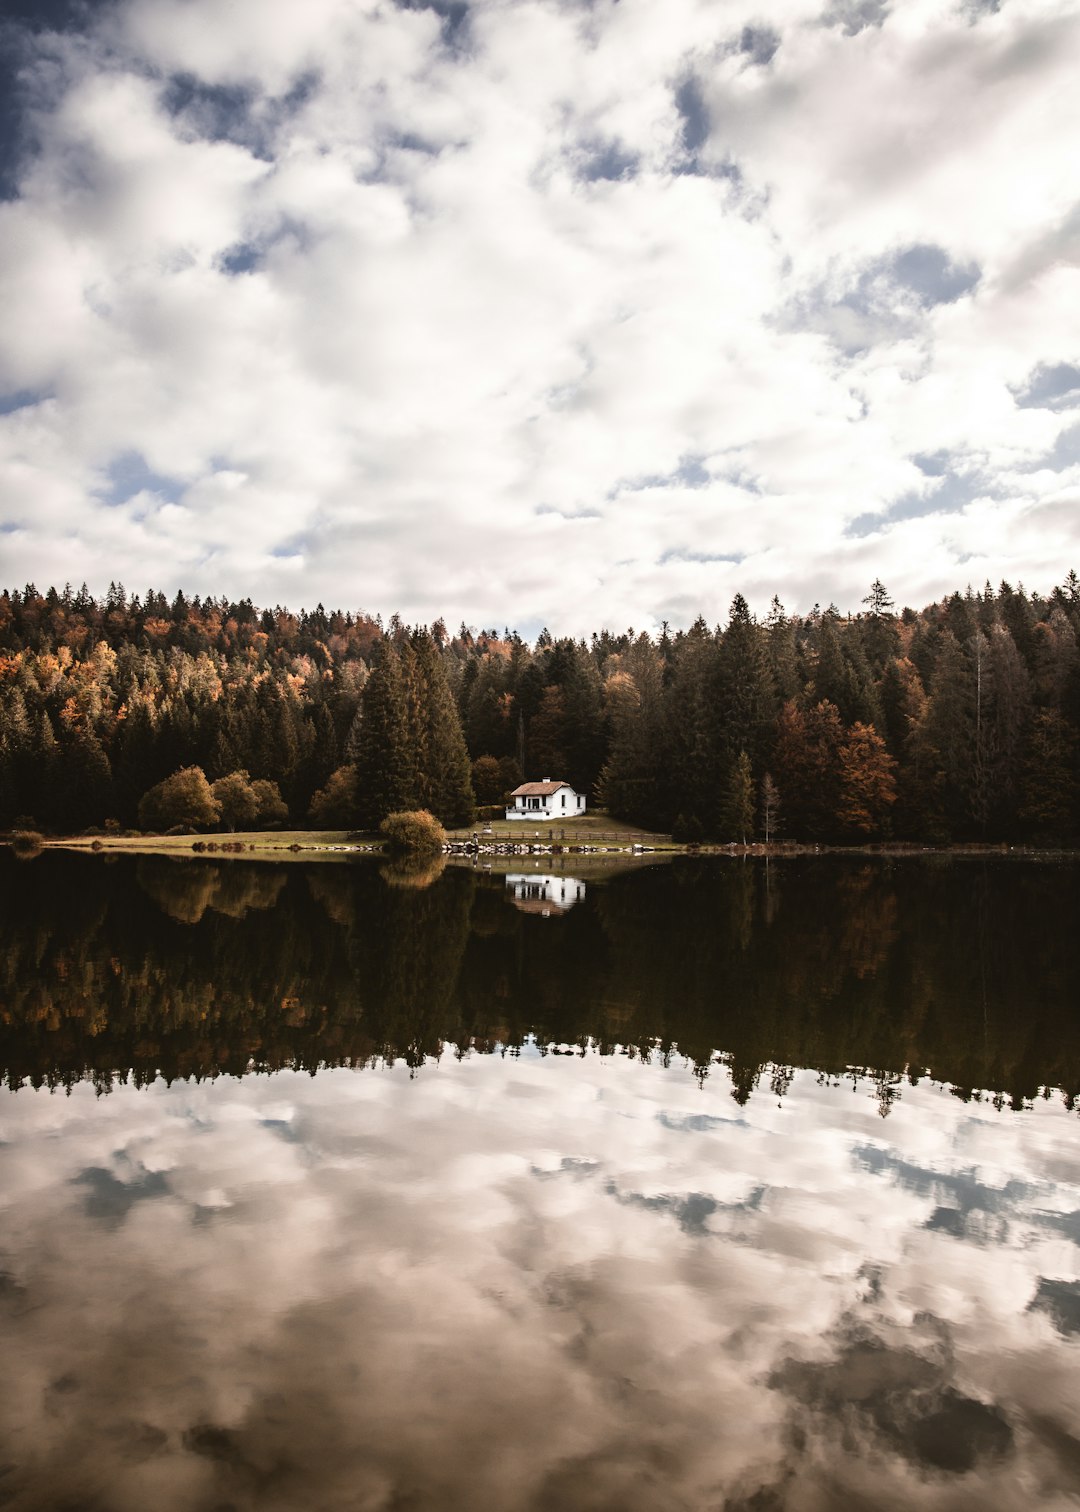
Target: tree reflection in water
x=963, y=970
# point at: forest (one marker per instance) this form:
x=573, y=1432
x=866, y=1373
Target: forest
x=957, y=722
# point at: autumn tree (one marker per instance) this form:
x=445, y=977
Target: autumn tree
x=807, y=764
x=334, y=806
x=867, y=781
x=236, y=800
x=182, y=801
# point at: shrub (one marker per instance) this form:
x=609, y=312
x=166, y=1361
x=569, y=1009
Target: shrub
x=26, y=842
x=414, y=832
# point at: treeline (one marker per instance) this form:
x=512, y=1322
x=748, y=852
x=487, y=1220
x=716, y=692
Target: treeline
x=959, y=721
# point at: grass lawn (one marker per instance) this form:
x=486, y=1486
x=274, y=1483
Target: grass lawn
x=595, y=828
x=279, y=844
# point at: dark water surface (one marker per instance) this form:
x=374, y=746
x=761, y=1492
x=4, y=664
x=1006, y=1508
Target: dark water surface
x=300, y=1208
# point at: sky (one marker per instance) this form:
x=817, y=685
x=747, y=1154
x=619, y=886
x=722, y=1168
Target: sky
x=570, y=312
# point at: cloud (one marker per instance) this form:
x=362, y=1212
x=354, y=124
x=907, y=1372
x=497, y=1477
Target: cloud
x=439, y=284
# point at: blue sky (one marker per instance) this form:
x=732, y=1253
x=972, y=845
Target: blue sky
x=540, y=311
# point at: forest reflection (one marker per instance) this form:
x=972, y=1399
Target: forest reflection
x=963, y=970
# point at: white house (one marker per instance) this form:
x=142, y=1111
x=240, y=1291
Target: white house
x=544, y=801
x=544, y=894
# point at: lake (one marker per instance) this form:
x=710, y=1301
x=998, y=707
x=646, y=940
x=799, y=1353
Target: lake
x=701, y=1185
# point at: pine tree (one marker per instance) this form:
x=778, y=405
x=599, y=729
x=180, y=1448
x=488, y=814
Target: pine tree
x=444, y=775
x=385, y=765
x=743, y=697
x=737, y=813
x=691, y=763
x=880, y=635
x=1048, y=787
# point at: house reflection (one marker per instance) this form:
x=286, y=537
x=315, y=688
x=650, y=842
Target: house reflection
x=544, y=894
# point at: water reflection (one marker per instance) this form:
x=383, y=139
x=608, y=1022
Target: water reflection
x=967, y=971
x=546, y=1277
x=548, y=894
x=547, y=1283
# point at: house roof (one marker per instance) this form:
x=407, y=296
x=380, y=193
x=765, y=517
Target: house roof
x=538, y=789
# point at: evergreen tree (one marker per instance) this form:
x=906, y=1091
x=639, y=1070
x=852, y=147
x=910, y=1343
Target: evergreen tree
x=690, y=727
x=881, y=637
x=783, y=653
x=385, y=764
x=743, y=698
x=444, y=775
x=1048, y=787
x=737, y=814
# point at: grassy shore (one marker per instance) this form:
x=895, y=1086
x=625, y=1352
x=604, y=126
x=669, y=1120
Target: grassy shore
x=598, y=831
x=596, y=828
x=276, y=845
x=283, y=845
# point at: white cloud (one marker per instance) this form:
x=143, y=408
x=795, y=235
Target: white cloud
x=460, y=305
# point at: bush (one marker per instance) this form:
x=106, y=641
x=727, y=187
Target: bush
x=413, y=833
x=26, y=842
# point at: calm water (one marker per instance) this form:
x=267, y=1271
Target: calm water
x=300, y=1208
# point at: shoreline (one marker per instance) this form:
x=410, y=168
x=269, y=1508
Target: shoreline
x=339, y=845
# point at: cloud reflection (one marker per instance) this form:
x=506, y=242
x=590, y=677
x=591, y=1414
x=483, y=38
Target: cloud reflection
x=562, y=1282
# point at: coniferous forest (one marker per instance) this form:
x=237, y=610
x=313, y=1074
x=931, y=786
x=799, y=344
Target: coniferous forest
x=956, y=722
